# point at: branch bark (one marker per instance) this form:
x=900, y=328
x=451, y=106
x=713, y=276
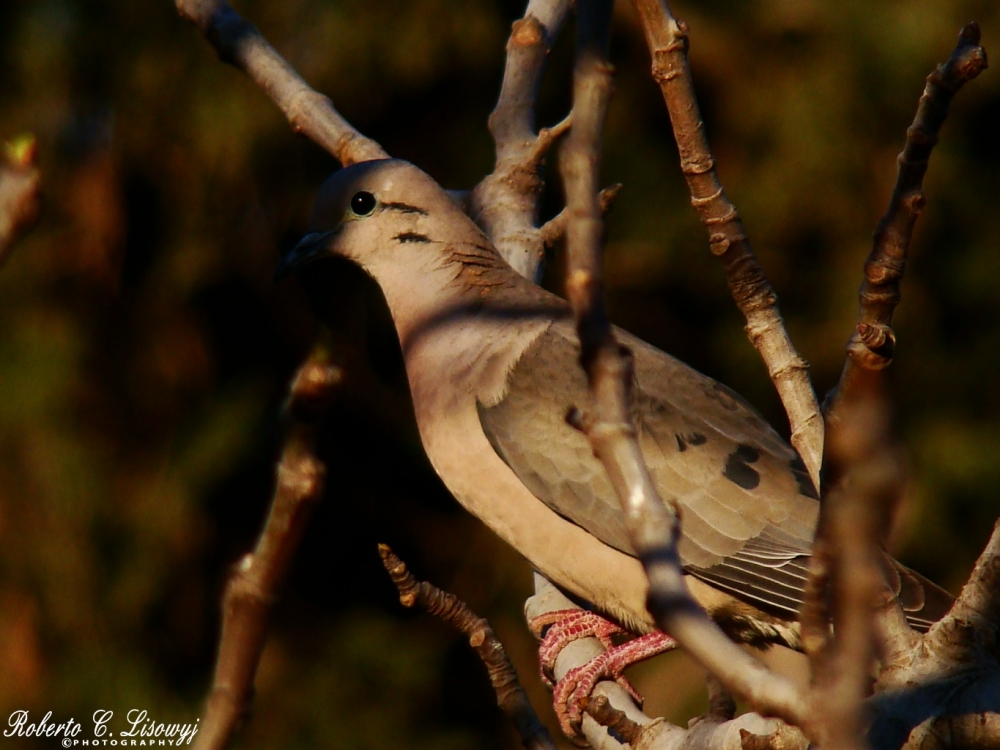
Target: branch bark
x=20, y=192
x=668, y=43
x=448, y=607
x=505, y=203
x=239, y=43
x=653, y=526
x=253, y=589
x=865, y=482
x=873, y=341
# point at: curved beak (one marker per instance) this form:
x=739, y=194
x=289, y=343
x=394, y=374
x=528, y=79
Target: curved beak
x=313, y=245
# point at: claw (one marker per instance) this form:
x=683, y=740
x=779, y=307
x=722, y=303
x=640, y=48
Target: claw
x=566, y=626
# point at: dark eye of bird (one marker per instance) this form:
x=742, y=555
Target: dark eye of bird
x=363, y=203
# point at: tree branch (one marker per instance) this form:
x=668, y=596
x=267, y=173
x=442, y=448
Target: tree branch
x=652, y=525
x=253, y=588
x=240, y=44
x=554, y=229
x=872, y=344
x=865, y=480
x=970, y=631
x=20, y=191
x=978, y=731
x=668, y=42
x=448, y=607
x=505, y=203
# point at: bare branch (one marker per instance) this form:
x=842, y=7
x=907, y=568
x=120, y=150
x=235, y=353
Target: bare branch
x=979, y=731
x=668, y=42
x=871, y=346
x=20, y=191
x=971, y=630
x=784, y=737
x=601, y=710
x=253, y=588
x=239, y=43
x=554, y=229
x=865, y=480
x=505, y=203
x=653, y=526
x=510, y=695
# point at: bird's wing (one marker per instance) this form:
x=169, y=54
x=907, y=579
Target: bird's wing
x=748, y=507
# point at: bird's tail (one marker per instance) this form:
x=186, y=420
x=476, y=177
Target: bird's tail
x=923, y=601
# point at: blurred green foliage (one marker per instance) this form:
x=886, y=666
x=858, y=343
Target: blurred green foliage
x=144, y=350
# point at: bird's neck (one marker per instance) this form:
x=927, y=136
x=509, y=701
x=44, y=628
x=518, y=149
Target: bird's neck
x=464, y=322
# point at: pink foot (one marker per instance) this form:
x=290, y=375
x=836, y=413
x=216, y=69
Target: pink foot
x=567, y=626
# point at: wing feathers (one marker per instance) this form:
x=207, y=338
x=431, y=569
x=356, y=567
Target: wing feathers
x=748, y=507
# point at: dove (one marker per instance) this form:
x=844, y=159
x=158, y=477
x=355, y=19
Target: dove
x=492, y=362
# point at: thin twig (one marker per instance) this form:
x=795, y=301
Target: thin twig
x=505, y=203
x=239, y=43
x=448, y=607
x=20, y=191
x=652, y=525
x=253, y=589
x=554, y=230
x=873, y=341
x=600, y=708
x=668, y=43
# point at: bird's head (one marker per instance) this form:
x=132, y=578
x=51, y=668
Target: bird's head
x=386, y=216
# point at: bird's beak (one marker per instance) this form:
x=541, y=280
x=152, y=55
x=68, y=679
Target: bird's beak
x=310, y=247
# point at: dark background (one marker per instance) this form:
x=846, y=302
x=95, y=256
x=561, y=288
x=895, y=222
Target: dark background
x=145, y=351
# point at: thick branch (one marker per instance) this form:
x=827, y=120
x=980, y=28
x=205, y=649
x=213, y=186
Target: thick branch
x=971, y=630
x=871, y=346
x=505, y=203
x=253, y=588
x=668, y=43
x=865, y=482
x=510, y=695
x=239, y=43
x=653, y=528
x=979, y=731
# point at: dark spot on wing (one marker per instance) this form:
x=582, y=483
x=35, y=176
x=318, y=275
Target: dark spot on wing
x=727, y=398
x=738, y=469
x=802, y=478
x=405, y=208
x=412, y=237
x=695, y=439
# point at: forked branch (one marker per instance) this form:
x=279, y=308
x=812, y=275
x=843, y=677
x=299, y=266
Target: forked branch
x=505, y=203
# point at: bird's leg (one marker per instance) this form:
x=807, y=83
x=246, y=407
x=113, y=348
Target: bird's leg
x=558, y=629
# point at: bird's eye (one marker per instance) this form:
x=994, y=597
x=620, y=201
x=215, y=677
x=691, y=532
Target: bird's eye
x=363, y=203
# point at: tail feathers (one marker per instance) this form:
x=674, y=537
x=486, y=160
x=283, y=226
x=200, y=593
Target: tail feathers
x=923, y=601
